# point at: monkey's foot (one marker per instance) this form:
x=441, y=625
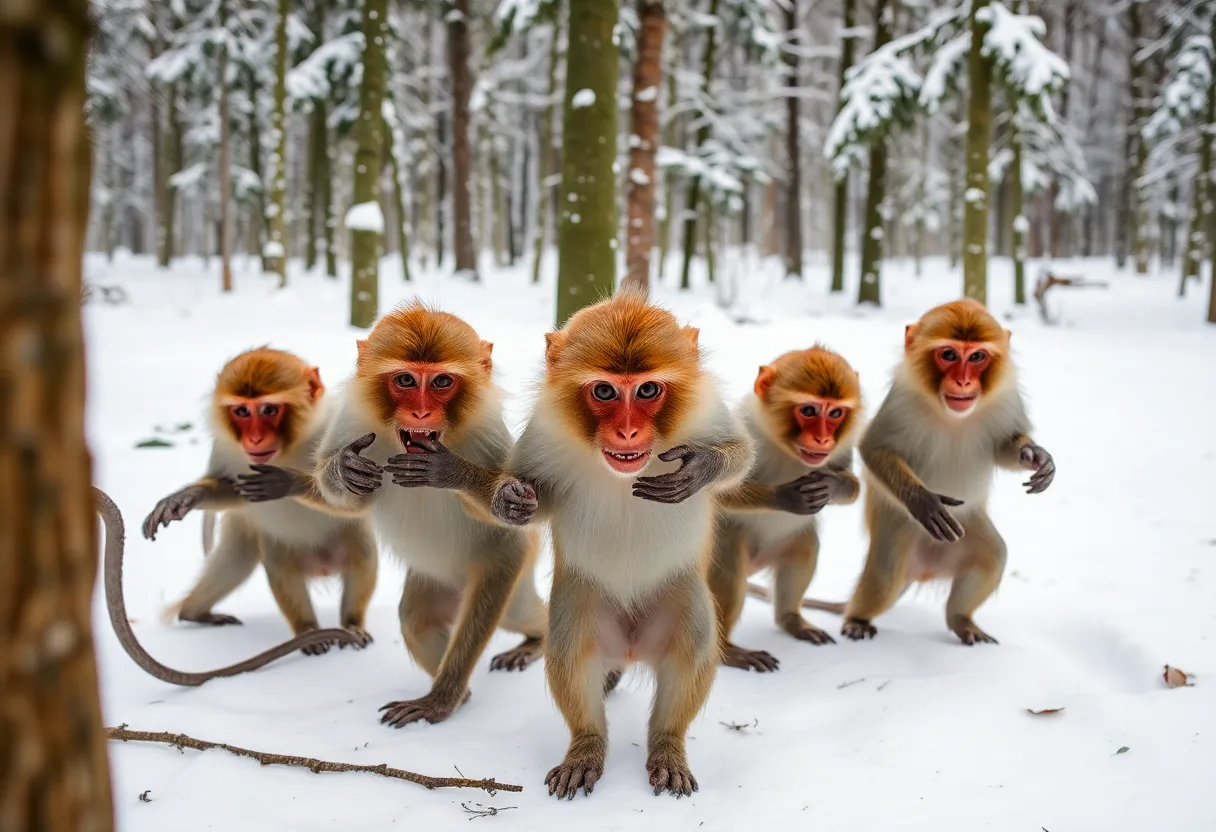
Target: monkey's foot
x=611, y=680
x=858, y=628
x=760, y=661
x=583, y=766
x=518, y=658
x=803, y=631
x=969, y=633
x=215, y=619
x=363, y=636
x=429, y=708
x=669, y=771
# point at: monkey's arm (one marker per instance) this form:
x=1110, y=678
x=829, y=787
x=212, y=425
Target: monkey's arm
x=477, y=485
x=270, y=482
x=892, y=472
x=718, y=458
x=212, y=493
x=344, y=478
x=1021, y=453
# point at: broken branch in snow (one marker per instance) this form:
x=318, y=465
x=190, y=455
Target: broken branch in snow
x=739, y=726
x=1047, y=280
x=180, y=741
x=1044, y=711
x=484, y=811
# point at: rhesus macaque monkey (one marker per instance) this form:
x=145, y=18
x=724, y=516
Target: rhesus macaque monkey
x=953, y=413
x=268, y=405
x=624, y=393
x=801, y=415
x=422, y=409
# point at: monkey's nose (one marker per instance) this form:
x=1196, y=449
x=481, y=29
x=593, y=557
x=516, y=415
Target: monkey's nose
x=418, y=415
x=627, y=433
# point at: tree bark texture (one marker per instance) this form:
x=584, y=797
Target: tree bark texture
x=1201, y=197
x=793, y=152
x=276, y=236
x=544, y=156
x=1072, y=14
x=369, y=138
x=1019, y=223
x=225, y=196
x=54, y=774
x=170, y=162
x=979, y=137
x=703, y=134
x=644, y=144
x=586, y=270
x=840, y=216
x=325, y=180
x=403, y=239
x=317, y=148
x=669, y=140
x=869, y=288
x=1137, y=232
x=462, y=211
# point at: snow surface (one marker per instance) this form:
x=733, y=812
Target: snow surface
x=1112, y=574
x=365, y=216
x=583, y=98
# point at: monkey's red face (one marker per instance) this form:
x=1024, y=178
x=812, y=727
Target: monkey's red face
x=962, y=365
x=817, y=421
x=423, y=397
x=625, y=409
x=258, y=424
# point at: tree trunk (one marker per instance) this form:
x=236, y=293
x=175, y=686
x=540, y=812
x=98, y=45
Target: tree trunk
x=1197, y=237
x=669, y=140
x=276, y=243
x=840, y=217
x=644, y=144
x=458, y=64
x=1139, y=83
x=403, y=240
x=711, y=236
x=328, y=221
x=53, y=764
x=1089, y=246
x=793, y=153
x=1020, y=223
x=225, y=195
x=317, y=141
x=1072, y=11
x=869, y=288
x=498, y=217
x=257, y=211
x=979, y=137
x=544, y=157
x=703, y=133
x=170, y=163
x=369, y=135
x=586, y=270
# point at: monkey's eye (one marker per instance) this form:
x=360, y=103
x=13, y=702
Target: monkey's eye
x=836, y=413
x=809, y=410
x=268, y=409
x=404, y=380
x=978, y=356
x=240, y=411
x=604, y=391
x=441, y=382
x=649, y=390
x=949, y=355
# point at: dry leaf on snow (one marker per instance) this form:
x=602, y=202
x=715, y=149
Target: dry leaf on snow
x=1044, y=712
x=1176, y=678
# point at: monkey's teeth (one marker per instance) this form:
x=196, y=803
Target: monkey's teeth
x=625, y=457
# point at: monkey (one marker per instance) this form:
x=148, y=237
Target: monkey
x=953, y=414
x=422, y=409
x=801, y=414
x=267, y=405
x=627, y=443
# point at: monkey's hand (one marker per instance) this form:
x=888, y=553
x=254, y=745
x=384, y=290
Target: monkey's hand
x=699, y=468
x=514, y=502
x=929, y=509
x=808, y=494
x=174, y=507
x=1037, y=459
x=437, y=468
x=272, y=483
x=359, y=474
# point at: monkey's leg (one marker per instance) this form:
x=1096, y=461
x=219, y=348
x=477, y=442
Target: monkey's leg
x=483, y=602
x=884, y=577
x=358, y=581
x=427, y=612
x=575, y=671
x=978, y=577
x=288, y=584
x=230, y=565
x=795, y=569
x=728, y=584
x=525, y=614
x=683, y=678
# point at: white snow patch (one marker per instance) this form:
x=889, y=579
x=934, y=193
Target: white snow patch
x=1021, y=224
x=638, y=176
x=583, y=98
x=648, y=94
x=365, y=216
x=273, y=249
x=974, y=195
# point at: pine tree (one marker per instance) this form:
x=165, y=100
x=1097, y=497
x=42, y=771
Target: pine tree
x=365, y=214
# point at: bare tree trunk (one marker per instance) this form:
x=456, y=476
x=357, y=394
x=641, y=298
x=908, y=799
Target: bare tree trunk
x=544, y=157
x=644, y=128
x=703, y=133
x=257, y=208
x=276, y=243
x=1139, y=83
x=225, y=195
x=869, y=288
x=1072, y=11
x=394, y=147
x=458, y=59
x=54, y=775
x=169, y=159
x=325, y=181
x=317, y=141
x=365, y=242
x=979, y=137
x=1020, y=223
x=840, y=216
x=1196, y=237
x=793, y=152
x=1092, y=211
x=669, y=139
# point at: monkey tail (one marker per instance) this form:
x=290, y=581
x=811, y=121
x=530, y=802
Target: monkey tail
x=835, y=607
x=208, y=532
x=115, y=545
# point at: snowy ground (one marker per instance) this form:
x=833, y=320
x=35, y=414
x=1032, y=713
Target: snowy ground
x=1112, y=574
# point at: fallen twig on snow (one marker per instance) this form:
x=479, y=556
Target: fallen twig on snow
x=1047, y=280
x=484, y=811
x=180, y=741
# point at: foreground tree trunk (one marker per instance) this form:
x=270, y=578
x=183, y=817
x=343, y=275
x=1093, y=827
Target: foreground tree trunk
x=369, y=136
x=703, y=133
x=793, y=153
x=276, y=243
x=225, y=230
x=462, y=211
x=979, y=137
x=869, y=288
x=840, y=217
x=644, y=124
x=54, y=774
x=586, y=234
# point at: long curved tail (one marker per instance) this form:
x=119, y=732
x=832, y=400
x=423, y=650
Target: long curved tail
x=836, y=607
x=208, y=532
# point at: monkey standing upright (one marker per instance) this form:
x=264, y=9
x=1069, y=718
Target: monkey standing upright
x=954, y=413
x=624, y=393
x=802, y=415
x=268, y=405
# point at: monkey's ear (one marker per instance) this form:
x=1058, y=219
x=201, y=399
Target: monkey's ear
x=555, y=342
x=485, y=348
x=764, y=380
x=315, y=388
x=361, y=346
x=1008, y=336
x=691, y=333
x=909, y=336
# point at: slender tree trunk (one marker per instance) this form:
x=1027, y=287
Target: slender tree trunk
x=394, y=147
x=1139, y=83
x=170, y=163
x=258, y=210
x=498, y=218
x=793, y=148
x=644, y=129
x=225, y=195
x=869, y=288
x=1072, y=11
x=1092, y=211
x=54, y=774
x=325, y=176
x=276, y=244
x=544, y=157
x=669, y=140
x=703, y=133
x=1197, y=237
x=586, y=269
x=317, y=149
x=840, y=216
x=1020, y=223
x=979, y=137
x=369, y=134
x=711, y=236
x=458, y=60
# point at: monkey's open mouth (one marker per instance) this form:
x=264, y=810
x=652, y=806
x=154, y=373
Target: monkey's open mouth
x=813, y=457
x=626, y=462
x=260, y=457
x=418, y=440
x=960, y=404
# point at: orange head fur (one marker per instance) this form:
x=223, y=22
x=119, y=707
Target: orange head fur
x=263, y=399
x=959, y=353
x=810, y=401
x=422, y=371
x=624, y=375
